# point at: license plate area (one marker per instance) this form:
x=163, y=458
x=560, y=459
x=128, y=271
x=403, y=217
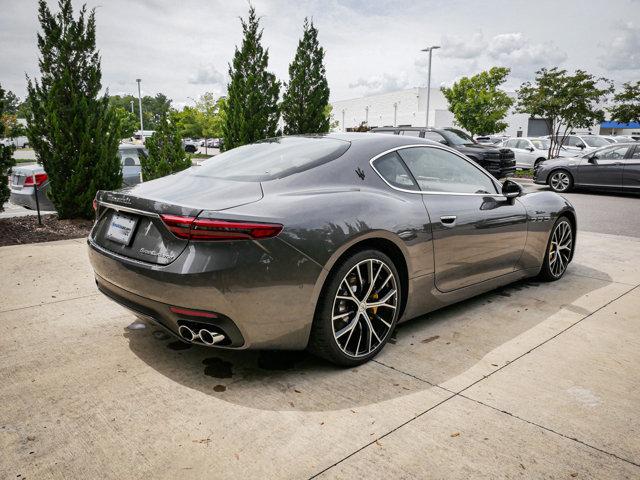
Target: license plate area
x=121, y=228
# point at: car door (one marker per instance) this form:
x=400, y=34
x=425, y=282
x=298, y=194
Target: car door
x=478, y=234
x=631, y=170
x=603, y=168
x=525, y=148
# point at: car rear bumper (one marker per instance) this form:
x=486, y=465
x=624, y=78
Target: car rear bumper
x=25, y=198
x=263, y=294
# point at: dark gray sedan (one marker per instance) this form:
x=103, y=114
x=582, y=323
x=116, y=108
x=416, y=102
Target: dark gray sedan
x=614, y=168
x=325, y=242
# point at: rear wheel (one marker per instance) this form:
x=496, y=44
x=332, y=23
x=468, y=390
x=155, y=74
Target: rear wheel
x=559, y=251
x=561, y=181
x=358, y=310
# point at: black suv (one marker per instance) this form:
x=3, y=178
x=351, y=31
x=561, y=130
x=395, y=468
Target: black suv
x=500, y=162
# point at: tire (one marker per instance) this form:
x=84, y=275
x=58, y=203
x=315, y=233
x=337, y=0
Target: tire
x=346, y=331
x=560, y=181
x=556, y=260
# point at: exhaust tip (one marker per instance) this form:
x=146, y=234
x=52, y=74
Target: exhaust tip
x=186, y=333
x=210, y=338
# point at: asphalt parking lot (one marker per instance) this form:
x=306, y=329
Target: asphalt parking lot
x=533, y=380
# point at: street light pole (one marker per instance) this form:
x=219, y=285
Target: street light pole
x=366, y=115
x=430, y=50
x=140, y=107
x=132, y=106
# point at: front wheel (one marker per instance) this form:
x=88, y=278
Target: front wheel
x=559, y=250
x=561, y=181
x=358, y=310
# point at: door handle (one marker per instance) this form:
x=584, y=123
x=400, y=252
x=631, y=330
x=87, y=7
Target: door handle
x=448, y=220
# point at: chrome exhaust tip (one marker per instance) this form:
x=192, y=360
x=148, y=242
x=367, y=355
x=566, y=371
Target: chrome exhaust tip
x=186, y=333
x=210, y=338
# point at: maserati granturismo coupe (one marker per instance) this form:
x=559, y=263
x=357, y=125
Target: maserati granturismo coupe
x=322, y=242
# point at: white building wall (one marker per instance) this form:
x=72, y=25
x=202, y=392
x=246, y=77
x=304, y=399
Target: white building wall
x=407, y=107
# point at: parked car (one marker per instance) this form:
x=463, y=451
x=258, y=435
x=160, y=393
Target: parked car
x=615, y=168
x=530, y=151
x=500, y=162
x=618, y=138
x=190, y=146
x=325, y=242
x=18, y=142
x=578, y=144
x=26, y=179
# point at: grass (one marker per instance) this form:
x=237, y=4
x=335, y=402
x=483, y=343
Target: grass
x=526, y=173
x=198, y=156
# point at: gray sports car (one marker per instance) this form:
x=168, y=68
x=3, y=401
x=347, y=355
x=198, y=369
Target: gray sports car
x=614, y=168
x=325, y=242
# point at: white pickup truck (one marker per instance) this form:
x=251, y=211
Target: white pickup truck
x=18, y=142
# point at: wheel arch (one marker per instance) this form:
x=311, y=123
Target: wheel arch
x=381, y=241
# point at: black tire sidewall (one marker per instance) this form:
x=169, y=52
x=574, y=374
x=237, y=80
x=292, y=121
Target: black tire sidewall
x=323, y=321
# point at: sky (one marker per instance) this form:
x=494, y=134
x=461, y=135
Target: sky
x=182, y=49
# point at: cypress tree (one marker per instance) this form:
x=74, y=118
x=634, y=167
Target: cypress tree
x=166, y=154
x=252, y=93
x=73, y=131
x=6, y=155
x=304, y=104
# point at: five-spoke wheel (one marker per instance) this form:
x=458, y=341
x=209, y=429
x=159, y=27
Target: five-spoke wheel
x=560, y=181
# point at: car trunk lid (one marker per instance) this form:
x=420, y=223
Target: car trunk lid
x=129, y=221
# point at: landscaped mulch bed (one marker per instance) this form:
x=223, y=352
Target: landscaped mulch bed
x=19, y=230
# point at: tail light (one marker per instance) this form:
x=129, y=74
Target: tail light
x=40, y=178
x=193, y=228
x=95, y=205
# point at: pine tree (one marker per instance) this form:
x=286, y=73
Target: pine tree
x=166, y=154
x=304, y=104
x=6, y=156
x=252, y=93
x=73, y=131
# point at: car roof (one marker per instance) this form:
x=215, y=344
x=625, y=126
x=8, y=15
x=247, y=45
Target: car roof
x=381, y=141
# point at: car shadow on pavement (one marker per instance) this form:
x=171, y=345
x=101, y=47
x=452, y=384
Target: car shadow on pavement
x=421, y=353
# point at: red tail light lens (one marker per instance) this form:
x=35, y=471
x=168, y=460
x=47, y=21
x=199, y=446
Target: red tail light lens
x=192, y=313
x=193, y=228
x=40, y=179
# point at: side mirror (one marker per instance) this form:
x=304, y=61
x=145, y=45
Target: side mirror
x=581, y=145
x=511, y=189
x=531, y=149
x=593, y=159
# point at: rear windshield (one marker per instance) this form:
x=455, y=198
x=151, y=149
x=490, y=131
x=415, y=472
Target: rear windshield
x=272, y=158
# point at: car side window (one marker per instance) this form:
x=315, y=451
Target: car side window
x=438, y=170
x=611, y=155
x=636, y=153
x=522, y=144
x=410, y=133
x=391, y=168
x=511, y=143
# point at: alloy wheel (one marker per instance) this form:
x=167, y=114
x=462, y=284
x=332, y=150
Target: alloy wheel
x=560, y=181
x=560, y=248
x=364, y=308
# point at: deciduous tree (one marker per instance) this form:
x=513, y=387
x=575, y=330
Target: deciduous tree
x=478, y=104
x=6, y=159
x=626, y=103
x=564, y=101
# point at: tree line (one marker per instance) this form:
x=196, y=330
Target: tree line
x=563, y=100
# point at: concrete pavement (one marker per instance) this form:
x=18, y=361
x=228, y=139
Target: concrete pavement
x=533, y=380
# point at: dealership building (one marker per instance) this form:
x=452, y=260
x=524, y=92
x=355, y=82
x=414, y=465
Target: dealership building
x=408, y=108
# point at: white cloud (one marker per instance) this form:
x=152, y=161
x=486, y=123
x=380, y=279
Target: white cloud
x=454, y=46
x=523, y=56
x=208, y=75
x=381, y=84
x=623, y=50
